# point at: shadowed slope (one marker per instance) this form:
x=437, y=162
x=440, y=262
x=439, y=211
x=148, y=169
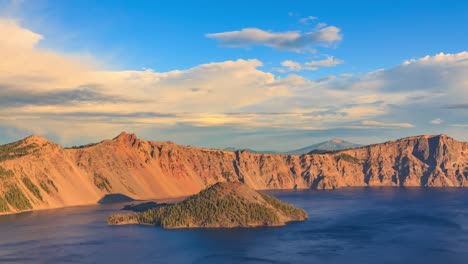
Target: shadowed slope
x=114, y=198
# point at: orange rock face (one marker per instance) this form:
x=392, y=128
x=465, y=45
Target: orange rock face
x=147, y=170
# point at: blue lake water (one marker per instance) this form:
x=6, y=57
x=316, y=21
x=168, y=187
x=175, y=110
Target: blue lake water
x=353, y=225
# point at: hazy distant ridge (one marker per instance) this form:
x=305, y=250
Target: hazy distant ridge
x=319, y=148
x=331, y=145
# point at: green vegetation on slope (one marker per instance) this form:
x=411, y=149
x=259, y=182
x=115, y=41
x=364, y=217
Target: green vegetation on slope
x=212, y=208
x=32, y=188
x=49, y=181
x=3, y=206
x=207, y=210
x=349, y=158
x=229, y=176
x=83, y=146
x=123, y=218
x=16, y=198
x=13, y=150
x=102, y=182
x=45, y=186
x=5, y=174
x=287, y=209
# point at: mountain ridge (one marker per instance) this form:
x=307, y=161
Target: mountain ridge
x=36, y=173
x=333, y=144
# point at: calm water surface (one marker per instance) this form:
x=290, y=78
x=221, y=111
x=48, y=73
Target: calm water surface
x=354, y=225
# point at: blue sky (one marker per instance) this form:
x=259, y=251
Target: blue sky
x=167, y=35
x=280, y=61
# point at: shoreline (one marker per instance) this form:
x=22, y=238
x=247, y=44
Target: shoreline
x=181, y=198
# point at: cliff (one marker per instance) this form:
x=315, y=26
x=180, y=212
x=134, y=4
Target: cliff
x=38, y=174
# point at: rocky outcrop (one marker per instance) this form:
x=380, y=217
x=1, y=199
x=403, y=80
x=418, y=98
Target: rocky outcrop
x=38, y=174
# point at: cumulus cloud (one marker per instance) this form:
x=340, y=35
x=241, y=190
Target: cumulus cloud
x=290, y=65
x=290, y=40
x=430, y=73
x=45, y=92
x=24, y=65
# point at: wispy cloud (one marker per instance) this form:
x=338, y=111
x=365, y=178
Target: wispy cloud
x=373, y=123
x=290, y=40
x=290, y=65
x=457, y=106
x=84, y=94
x=307, y=20
x=436, y=121
x=460, y=125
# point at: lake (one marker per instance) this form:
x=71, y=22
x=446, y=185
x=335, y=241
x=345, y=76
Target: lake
x=352, y=225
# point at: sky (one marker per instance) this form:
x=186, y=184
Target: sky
x=266, y=75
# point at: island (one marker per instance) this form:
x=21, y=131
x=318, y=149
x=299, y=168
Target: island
x=223, y=205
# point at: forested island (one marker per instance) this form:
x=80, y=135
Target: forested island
x=221, y=205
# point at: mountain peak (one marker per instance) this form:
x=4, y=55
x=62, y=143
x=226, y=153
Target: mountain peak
x=35, y=139
x=126, y=136
x=330, y=145
x=336, y=140
x=444, y=136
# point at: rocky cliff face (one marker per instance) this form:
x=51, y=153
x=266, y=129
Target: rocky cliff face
x=37, y=174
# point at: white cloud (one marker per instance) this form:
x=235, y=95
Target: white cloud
x=328, y=62
x=346, y=75
x=290, y=40
x=47, y=92
x=460, y=125
x=290, y=65
x=441, y=58
x=24, y=65
x=436, y=121
x=307, y=20
x=15, y=38
x=382, y=124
